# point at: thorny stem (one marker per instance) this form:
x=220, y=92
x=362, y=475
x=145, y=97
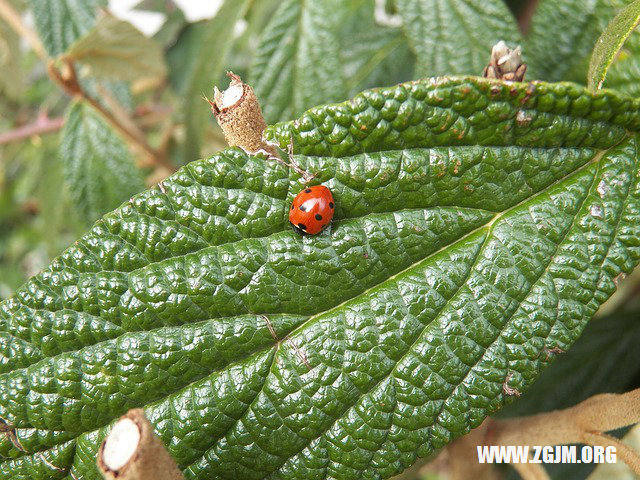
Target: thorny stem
x=67, y=79
x=42, y=125
x=15, y=22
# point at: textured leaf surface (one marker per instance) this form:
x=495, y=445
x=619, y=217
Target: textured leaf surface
x=297, y=63
x=62, y=22
x=116, y=49
x=476, y=224
x=97, y=166
x=454, y=37
x=592, y=366
x=610, y=43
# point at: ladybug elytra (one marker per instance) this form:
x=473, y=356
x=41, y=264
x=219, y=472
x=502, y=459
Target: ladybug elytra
x=312, y=210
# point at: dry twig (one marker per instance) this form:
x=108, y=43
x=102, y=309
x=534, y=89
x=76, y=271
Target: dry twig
x=67, y=79
x=583, y=423
x=132, y=451
x=240, y=116
x=42, y=125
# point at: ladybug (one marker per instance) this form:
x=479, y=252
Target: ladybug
x=311, y=210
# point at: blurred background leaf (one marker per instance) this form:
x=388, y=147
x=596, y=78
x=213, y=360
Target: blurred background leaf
x=115, y=49
x=35, y=219
x=454, y=37
x=372, y=54
x=196, y=61
x=557, y=49
x=11, y=77
x=62, y=22
x=610, y=42
x=297, y=62
x=97, y=166
x=624, y=73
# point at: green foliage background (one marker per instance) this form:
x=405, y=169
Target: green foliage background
x=296, y=54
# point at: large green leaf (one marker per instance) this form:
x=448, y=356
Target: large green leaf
x=97, y=166
x=297, y=63
x=477, y=224
x=454, y=37
x=62, y=22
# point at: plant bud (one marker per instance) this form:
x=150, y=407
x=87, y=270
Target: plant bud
x=505, y=63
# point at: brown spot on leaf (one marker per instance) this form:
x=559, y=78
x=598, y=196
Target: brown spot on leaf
x=512, y=392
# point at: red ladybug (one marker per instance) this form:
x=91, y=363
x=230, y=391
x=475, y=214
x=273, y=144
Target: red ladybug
x=312, y=210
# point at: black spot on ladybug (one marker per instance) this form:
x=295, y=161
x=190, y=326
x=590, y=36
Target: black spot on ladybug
x=302, y=226
x=330, y=204
x=303, y=208
x=307, y=190
x=297, y=230
x=318, y=216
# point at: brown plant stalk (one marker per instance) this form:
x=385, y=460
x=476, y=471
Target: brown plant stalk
x=41, y=126
x=9, y=14
x=67, y=79
x=584, y=423
x=132, y=451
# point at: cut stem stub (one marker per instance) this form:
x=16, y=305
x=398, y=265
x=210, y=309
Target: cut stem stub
x=240, y=116
x=131, y=451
